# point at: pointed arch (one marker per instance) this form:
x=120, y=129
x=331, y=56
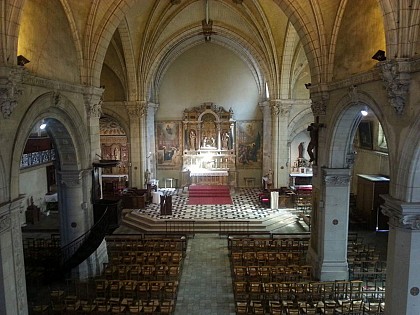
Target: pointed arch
x=65, y=126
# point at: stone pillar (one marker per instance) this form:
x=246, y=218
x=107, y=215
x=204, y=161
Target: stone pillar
x=275, y=110
x=403, y=262
x=330, y=216
x=13, y=299
x=136, y=171
x=75, y=212
x=151, y=139
x=280, y=120
x=267, y=135
x=93, y=104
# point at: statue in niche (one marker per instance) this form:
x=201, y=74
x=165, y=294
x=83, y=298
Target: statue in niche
x=300, y=150
x=192, y=140
x=225, y=141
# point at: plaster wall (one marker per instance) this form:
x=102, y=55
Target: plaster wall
x=45, y=39
x=208, y=73
x=369, y=162
x=33, y=183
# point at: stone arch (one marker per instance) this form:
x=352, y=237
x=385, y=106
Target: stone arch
x=4, y=189
x=341, y=153
x=118, y=118
x=300, y=122
x=64, y=125
x=406, y=186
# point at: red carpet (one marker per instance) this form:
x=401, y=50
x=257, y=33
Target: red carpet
x=209, y=195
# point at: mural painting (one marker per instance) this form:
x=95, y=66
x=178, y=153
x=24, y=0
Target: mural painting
x=168, y=144
x=249, y=144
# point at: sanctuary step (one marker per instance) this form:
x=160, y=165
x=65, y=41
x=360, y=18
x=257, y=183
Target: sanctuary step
x=146, y=224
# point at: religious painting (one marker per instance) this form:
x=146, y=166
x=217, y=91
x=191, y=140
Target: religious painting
x=249, y=144
x=168, y=150
x=365, y=135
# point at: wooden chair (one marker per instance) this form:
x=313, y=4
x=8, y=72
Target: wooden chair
x=275, y=308
x=166, y=307
x=42, y=309
x=241, y=307
x=135, y=309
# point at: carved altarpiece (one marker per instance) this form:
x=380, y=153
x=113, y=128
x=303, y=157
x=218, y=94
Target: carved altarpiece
x=209, y=155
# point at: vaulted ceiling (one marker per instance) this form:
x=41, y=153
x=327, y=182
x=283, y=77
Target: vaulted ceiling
x=137, y=40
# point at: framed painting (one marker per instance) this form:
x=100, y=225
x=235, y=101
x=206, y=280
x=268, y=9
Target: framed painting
x=249, y=144
x=168, y=140
x=365, y=135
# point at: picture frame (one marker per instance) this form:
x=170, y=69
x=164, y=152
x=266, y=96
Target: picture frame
x=365, y=135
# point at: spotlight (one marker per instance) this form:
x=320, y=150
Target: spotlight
x=364, y=112
x=42, y=126
x=308, y=85
x=379, y=55
x=21, y=60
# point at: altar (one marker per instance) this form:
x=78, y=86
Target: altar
x=209, y=177
x=209, y=155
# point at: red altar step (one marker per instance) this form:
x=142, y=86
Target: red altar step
x=209, y=195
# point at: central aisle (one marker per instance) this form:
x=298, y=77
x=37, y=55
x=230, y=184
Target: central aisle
x=206, y=283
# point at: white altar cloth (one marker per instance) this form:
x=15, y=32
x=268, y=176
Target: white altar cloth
x=206, y=173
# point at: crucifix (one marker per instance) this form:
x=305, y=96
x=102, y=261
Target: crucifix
x=312, y=149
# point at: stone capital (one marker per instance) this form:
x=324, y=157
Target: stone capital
x=136, y=109
x=9, y=214
x=93, y=102
x=280, y=107
x=401, y=214
x=10, y=88
x=336, y=176
x=395, y=74
x=71, y=178
x=319, y=103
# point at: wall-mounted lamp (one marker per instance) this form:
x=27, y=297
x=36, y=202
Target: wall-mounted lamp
x=379, y=55
x=43, y=125
x=21, y=60
x=308, y=85
x=364, y=112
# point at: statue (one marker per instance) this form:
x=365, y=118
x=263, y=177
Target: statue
x=300, y=150
x=146, y=176
x=313, y=129
x=192, y=139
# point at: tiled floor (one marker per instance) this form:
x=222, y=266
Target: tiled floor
x=245, y=206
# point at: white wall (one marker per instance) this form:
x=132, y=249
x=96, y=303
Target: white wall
x=208, y=73
x=33, y=183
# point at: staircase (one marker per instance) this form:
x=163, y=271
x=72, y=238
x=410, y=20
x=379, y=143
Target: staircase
x=77, y=251
x=146, y=224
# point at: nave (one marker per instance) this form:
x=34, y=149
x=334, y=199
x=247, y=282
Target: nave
x=206, y=278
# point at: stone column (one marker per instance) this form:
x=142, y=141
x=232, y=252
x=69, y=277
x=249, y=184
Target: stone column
x=75, y=211
x=330, y=215
x=280, y=119
x=13, y=299
x=151, y=139
x=93, y=104
x=403, y=262
x=136, y=171
x=275, y=110
x=267, y=135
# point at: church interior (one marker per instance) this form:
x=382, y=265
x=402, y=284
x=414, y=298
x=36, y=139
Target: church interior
x=210, y=157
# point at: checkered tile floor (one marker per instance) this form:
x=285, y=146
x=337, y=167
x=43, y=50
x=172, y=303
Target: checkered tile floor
x=245, y=206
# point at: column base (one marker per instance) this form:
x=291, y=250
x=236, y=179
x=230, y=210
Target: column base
x=330, y=271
